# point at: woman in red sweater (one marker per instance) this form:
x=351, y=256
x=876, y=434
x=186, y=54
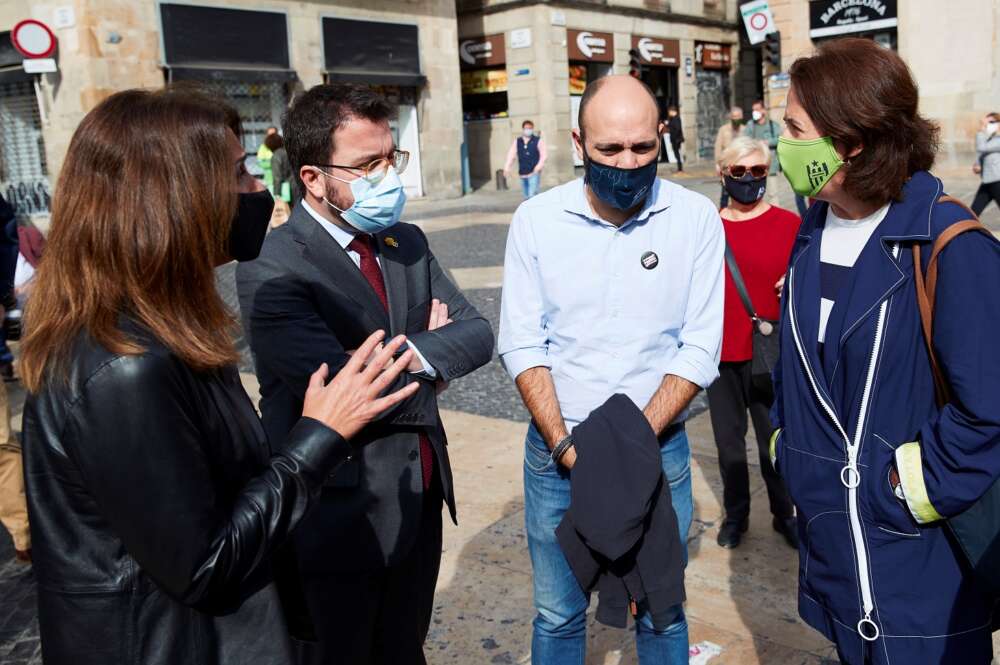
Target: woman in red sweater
x=760, y=238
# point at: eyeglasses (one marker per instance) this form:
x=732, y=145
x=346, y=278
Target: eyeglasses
x=756, y=171
x=376, y=170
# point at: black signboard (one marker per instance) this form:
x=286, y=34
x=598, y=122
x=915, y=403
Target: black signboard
x=8, y=54
x=10, y=61
x=219, y=38
x=371, y=52
x=840, y=17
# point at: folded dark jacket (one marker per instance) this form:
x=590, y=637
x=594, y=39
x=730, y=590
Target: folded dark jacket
x=620, y=533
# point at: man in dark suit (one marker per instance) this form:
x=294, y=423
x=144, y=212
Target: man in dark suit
x=340, y=269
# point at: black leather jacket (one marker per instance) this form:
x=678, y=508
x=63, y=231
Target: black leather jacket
x=156, y=511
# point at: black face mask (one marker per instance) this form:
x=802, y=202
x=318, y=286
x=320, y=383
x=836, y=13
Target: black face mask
x=736, y=123
x=747, y=189
x=622, y=189
x=253, y=214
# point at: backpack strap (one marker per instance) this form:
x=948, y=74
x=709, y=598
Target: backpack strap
x=927, y=286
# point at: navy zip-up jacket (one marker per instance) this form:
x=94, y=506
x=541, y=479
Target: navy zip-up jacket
x=877, y=573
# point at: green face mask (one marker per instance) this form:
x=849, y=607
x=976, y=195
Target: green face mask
x=808, y=165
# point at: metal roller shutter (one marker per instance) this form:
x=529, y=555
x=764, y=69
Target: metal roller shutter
x=260, y=105
x=23, y=170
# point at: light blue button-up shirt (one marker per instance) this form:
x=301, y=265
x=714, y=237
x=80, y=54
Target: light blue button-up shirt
x=578, y=299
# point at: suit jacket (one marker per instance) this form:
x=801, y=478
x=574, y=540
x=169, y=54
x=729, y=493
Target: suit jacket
x=305, y=302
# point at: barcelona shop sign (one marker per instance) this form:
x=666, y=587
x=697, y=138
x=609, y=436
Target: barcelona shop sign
x=829, y=18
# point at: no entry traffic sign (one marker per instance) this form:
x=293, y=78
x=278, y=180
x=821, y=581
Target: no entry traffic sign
x=757, y=19
x=33, y=39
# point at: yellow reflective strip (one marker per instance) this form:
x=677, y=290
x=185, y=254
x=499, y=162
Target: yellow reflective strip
x=773, y=447
x=911, y=477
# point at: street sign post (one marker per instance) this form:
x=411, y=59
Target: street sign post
x=33, y=39
x=758, y=20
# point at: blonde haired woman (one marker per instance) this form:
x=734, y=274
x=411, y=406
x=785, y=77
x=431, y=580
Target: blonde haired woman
x=759, y=238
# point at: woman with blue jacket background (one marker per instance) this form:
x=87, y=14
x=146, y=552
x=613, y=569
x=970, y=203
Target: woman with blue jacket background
x=872, y=464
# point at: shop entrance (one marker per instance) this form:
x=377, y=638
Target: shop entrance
x=663, y=82
x=24, y=178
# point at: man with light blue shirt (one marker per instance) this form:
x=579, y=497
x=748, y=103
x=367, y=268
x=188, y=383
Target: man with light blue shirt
x=612, y=284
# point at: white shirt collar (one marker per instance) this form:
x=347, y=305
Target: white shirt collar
x=343, y=237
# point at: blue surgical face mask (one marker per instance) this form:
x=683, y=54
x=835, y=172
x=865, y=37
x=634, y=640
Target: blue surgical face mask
x=376, y=207
x=619, y=188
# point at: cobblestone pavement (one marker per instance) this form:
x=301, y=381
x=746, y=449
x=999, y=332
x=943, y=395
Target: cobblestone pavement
x=473, y=239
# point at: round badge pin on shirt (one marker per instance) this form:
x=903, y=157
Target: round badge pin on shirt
x=649, y=260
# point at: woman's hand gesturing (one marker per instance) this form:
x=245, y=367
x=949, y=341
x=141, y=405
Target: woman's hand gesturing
x=351, y=400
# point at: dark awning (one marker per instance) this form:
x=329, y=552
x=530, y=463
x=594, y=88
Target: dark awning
x=196, y=36
x=213, y=72
x=376, y=78
x=9, y=56
x=372, y=52
x=14, y=74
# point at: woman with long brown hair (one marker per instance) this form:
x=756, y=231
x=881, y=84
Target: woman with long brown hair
x=157, y=506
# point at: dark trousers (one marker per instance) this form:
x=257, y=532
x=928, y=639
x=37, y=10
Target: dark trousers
x=729, y=398
x=987, y=192
x=377, y=617
x=677, y=151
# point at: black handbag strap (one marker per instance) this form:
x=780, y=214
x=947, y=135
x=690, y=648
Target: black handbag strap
x=741, y=287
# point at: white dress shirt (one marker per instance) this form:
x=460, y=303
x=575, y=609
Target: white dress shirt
x=579, y=299
x=344, y=239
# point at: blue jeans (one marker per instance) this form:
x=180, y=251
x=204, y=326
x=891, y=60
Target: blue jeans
x=530, y=184
x=560, y=628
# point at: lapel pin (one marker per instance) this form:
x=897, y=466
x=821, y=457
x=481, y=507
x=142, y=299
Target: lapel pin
x=391, y=242
x=649, y=260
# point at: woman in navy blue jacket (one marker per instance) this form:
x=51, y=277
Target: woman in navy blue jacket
x=872, y=464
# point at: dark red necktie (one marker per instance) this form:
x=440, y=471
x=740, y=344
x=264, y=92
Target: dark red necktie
x=362, y=244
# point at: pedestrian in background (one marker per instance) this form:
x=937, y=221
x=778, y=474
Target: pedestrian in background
x=285, y=185
x=759, y=237
x=264, y=154
x=988, y=163
x=157, y=507
x=872, y=463
x=10, y=329
x=13, y=506
x=281, y=171
x=763, y=128
x=727, y=133
x=530, y=151
x=676, y=132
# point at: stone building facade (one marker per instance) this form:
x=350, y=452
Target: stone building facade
x=259, y=54
x=952, y=48
x=689, y=52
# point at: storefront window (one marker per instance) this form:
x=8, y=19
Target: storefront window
x=483, y=61
x=259, y=103
x=241, y=55
x=484, y=94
